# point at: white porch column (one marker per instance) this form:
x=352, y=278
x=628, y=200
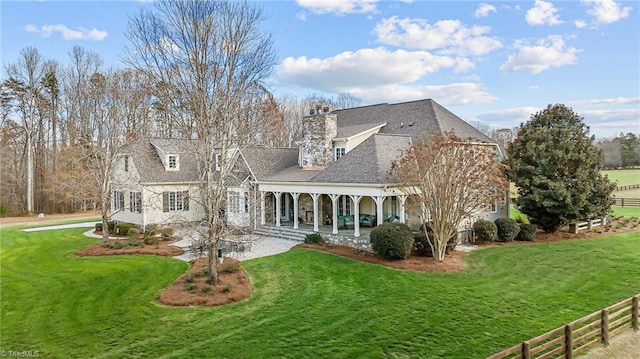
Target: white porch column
x=356, y=215
x=401, y=199
x=379, y=212
x=295, y=196
x=334, y=207
x=315, y=197
x=263, y=219
x=287, y=210
x=277, y=196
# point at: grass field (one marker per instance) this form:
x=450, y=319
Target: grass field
x=305, y=303
x=626, y=211
x=624, y=177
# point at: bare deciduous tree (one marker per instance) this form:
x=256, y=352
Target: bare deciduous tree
x=452, y=180
x=213, y=55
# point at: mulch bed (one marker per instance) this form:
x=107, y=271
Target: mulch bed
x=232, y=287
x=162, y=248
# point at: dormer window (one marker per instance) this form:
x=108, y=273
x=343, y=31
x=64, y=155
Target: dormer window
x=340, y=151
x=172, y=163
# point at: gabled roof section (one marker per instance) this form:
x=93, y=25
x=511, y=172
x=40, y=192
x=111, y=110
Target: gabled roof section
x=144, y=152
x=416, y=119
x=263, y=162
x=370, y=162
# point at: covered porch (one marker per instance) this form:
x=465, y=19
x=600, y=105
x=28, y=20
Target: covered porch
x=336, y=209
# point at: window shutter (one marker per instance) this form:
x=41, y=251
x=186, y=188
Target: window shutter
x=121, y=200
x=165, y=201
x=185, y=200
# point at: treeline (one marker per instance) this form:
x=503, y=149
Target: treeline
x=622, y=151
x=50, y=111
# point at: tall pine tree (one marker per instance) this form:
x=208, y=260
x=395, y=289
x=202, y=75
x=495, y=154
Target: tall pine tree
x=556, y=168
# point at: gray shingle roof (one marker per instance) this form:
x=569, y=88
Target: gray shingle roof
x=415, y=118
x=265, y=162
x=150, y=168
x=369, y=162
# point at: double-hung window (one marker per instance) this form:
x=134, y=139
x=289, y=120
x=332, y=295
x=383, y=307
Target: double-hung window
x=135, y=202
x=340, y=151
x=175, y=201
x=118, y=200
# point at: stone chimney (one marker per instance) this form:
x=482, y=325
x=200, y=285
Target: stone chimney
x=319, y=129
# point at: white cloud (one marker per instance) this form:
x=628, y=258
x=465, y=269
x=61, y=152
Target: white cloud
x=380, y=75
x=580, y=24
x=338, y=7
x=607, y=11
x=365, y=67
x=606, y=101
x=543, y=13
x=484, y=9
x=447, y=36
x=67, y=34
x=547, y=53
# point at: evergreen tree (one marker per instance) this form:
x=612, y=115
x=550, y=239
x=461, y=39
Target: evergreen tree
x=556, y=168
x=629, y=145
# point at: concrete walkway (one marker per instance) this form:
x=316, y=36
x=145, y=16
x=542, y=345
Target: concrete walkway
x=62, y=226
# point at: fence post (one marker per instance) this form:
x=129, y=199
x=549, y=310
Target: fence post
x=622, y=202
x=568, y=342
x=573, y=228
x=604, y=328
x=634, y=312
x=590, y=224
x=526, y=350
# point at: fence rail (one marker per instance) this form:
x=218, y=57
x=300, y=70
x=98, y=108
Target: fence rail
x=627, y=187
x=581, y=226
x=627, y=202
x=579, y=335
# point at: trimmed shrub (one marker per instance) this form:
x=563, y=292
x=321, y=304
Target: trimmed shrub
x=485, y=231
x=229, y=268
x=99, y=227
x=111, y=226
x=508, y=229
x=150, y=229
x=133, y=232
x=123, y=228
x=527, y=232
x=113, y=244
x=313, y=238
x=421, y=246
x=227, y=288
x=392, y=240
x=150, y=240
x=167, y=233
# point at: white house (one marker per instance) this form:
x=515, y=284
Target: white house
x=339, y=169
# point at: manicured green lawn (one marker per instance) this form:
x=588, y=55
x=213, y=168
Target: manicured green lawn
x=624, y=177
x=626, y=211
x=305, y=304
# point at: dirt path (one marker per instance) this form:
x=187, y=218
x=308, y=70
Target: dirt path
x=622, y=346
x=48, y=219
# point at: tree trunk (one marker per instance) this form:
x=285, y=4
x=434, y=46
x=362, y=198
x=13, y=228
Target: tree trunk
x=105, y=228
x=212, y=278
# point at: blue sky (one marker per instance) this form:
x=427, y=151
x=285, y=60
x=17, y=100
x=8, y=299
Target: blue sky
x=492, y=61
